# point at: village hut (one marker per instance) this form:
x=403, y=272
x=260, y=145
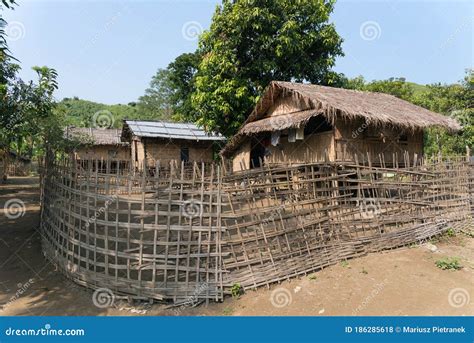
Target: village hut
x=305, y=123
x=91, y=144
x=17, y=165
x=153, y=141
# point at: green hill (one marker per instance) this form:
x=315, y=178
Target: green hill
x=84, y=113
x=417, y=88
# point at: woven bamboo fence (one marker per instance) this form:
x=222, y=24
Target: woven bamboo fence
x=179, y=232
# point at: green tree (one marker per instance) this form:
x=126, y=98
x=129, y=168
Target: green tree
x=394, y=86
x=252, y=42
x=157, y=99
x=397, y=87
x=456, y=101
x=27, y=116
x=182, y=82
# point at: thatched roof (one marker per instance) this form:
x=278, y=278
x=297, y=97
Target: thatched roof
x=376, y=108
x=94, y=136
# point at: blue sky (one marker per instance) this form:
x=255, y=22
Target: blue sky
x=107, y=51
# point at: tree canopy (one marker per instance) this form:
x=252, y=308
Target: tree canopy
x=253, y=42
x=27, y=109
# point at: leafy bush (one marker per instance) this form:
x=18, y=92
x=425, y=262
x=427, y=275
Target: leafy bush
x=236, y=290
x=448, y=263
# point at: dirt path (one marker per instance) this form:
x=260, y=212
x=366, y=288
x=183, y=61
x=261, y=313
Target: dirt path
x=399, y=282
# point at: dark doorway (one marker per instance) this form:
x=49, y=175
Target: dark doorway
x=257, y=154
x=185, y=155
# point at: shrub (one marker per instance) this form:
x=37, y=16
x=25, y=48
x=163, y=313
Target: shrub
x=448, y=263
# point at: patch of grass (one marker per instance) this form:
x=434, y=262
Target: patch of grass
x=228, y=311
x=312, y=277
x=236, y=290
x=448, y=263
x=450, y=232
x=345, y=264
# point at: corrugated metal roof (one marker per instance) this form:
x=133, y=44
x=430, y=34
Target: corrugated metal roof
x=188, y=131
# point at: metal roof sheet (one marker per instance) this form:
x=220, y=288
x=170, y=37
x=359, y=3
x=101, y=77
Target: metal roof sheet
x=170, y=130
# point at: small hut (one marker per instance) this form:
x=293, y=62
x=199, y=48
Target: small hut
x=166, y=141
x=17, y=165
x=91, y=144
x=305, y=122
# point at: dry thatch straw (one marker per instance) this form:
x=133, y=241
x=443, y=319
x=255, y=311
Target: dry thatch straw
x=376, y=108
x=94, y=136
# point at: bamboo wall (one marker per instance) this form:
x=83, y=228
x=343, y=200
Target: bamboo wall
x=166, y=232
x=107, y=152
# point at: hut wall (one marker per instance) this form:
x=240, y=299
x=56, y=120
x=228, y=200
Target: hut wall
x=137, y=150
x=103, y=152
x=241, y=159
x=356, y=137
x=312, y=148
x=166, y=150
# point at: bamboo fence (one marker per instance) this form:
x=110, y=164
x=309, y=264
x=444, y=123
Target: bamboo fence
x=179, y=232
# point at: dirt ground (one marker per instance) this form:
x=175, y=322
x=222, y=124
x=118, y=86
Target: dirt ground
x=400, y=282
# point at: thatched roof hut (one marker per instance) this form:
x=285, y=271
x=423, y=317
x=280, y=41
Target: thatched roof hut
x=287, y=106
x=98, y=144
x=93, y=136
